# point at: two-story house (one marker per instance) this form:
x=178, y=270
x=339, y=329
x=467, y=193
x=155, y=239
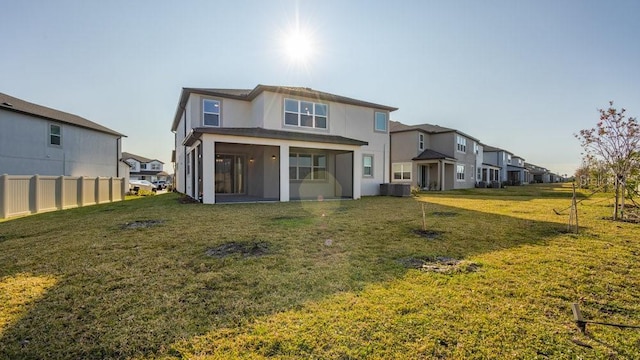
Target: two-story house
x=143, y=168
x=434, y=157
x=499, y=159
x=517, y=173
x=35, y=139
x=278, y=143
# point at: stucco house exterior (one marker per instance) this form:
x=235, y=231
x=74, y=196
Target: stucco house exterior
x=433, y=157
x=278, y=143
x=143, y=168
x=35, y=139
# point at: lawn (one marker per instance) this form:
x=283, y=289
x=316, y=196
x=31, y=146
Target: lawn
x=157, y=278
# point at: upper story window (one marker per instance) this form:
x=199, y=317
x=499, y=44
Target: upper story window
x=210, y=112
x=305, y=114
x=380, y=121
x=508, y=159
x=476, y=148
x=420, y=141
x=55, y=135
x=462, y=144
x=143, y=166
x=155, y=166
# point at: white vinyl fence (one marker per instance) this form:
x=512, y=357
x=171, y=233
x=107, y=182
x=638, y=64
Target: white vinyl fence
x=23, y=195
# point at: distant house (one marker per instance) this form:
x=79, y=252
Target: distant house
x=143, y=168
x=35, y=139
x=434, y=157
x=537, y=174
x=278, y=143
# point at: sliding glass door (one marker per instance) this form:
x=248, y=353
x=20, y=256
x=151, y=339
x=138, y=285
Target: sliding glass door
x=230, y=174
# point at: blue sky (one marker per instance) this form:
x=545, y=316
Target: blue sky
x=520, y=75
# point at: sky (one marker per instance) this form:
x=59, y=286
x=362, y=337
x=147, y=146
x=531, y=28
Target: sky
x=521, y=75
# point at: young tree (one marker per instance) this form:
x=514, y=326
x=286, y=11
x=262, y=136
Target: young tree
x=616, y=141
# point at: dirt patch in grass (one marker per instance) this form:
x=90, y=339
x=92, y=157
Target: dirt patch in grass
x=244, y=249
x=440, y=264
x=142, y=224
x=429, y=234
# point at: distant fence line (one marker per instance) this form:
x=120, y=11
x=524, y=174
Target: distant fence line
x=31, y=194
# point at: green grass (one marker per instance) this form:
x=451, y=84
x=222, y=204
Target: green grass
x=76, y=284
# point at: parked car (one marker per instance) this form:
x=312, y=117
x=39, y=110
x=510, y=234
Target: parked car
x=135, y=185
x=160, y=184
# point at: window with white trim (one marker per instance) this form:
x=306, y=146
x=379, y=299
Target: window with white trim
x=380, y=121
x=508, y=158
x=143, y=166
x=155, y=166
x=307, y=167
x=460, y=173
x=462, y=144
x=476, y=148
x=367, y=165
x=420, y=141
x=479, y=174
x=401, y=171
x=210, y=112
x=305, y=114
x=55, y=135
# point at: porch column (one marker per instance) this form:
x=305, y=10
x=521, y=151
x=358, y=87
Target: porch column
x=442, y=175
x=284, y=173
x=357, y=173
x=208, y=171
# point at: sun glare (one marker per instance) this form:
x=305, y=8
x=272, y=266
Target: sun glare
x=298, y=46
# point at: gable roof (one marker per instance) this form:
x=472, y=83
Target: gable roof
x=396, y=127
x=488, y=148
x=14, y=104
x=138, y=158
x=250, y=94
x=196, y=134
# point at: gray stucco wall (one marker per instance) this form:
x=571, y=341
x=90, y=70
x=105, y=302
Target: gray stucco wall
x=25, y=149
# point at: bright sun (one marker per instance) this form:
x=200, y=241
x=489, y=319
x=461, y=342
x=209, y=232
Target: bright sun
x=298, y=46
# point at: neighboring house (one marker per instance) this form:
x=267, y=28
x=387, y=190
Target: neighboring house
x=278, y=143
x=517, y=173
x=35, y=139
x=537, y=174
x=143, y=168
x=433, y=157
x=500, y=159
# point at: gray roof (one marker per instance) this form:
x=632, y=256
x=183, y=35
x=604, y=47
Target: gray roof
x=488, y=148
x=250, y=94
x=196, y=134
x=429, y=154
x=126, y=155
x=426, y=128
x=14, y=104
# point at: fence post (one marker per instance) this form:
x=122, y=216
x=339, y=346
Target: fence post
x=123, y=188
x=81, y=191
x=96, y=190
x=60, y=193
x=4, y=196
x=35, y=201
x=111, y=189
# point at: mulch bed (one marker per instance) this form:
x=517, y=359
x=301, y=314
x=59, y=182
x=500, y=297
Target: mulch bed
x=429, y=234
